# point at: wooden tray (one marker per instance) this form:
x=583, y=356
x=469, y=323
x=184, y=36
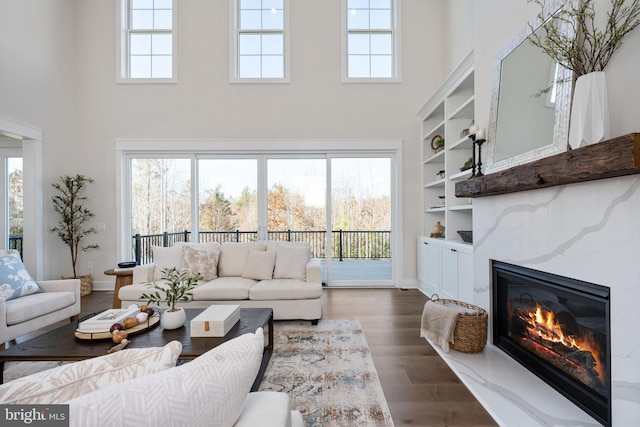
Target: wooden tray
x=151, y=322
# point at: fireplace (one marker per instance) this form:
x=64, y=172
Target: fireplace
x=559, y=329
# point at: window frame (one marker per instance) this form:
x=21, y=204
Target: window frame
x=234, y=51
x=395, y=46
x=122, y=45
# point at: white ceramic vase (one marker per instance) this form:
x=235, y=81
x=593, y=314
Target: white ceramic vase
x=589, y=111
x=173, y=319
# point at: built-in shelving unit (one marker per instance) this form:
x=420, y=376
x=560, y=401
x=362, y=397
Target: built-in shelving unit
x=447, y=114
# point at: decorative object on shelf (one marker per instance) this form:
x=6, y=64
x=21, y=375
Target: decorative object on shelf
x=176, y=288
x=467, y=236
x=437, y=143
x=477, y=138
x=467, y=165
x=72, y=225
x=590, y=111
x=438, y=230
x=440, y=174
x=585, y=53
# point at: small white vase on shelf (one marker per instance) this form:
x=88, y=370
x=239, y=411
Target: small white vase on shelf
x=589, y=111
x=173, y=319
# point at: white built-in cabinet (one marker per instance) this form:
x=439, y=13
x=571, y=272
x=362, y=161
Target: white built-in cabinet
x=445, y=268
x=445, y=264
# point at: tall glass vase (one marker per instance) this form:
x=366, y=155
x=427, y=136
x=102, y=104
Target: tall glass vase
x=589, y=111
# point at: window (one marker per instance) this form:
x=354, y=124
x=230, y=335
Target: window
x=343, y=204
x=260, y=41
x=371, y=40
x=147, y=41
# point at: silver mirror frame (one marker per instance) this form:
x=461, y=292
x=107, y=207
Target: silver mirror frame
x=562, y=107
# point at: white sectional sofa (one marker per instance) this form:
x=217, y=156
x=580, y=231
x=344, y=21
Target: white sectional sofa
x=277, y=275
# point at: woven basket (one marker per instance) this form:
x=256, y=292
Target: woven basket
x=85, y=284
x=470, y=333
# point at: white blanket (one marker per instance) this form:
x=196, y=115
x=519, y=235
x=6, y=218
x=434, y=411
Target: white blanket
x=439, y=322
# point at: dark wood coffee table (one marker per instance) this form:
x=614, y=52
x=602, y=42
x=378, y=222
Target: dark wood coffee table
x=61, y=344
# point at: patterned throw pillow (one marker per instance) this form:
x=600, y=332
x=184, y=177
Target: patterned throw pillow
x=203, y=262
x=73, y=380
x=210, y=390
x=15, y=281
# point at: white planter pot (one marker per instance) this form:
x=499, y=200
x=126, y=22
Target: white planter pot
x=173, y=319
x=589, y=111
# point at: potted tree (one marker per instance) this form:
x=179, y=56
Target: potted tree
x=73, y=226
x=176, y=288
x=585, y=49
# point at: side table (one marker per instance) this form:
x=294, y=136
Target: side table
x=124, y=277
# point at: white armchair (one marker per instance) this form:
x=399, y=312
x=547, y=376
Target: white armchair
x=59, y=301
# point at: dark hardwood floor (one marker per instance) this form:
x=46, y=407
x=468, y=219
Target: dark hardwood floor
x=420, y=388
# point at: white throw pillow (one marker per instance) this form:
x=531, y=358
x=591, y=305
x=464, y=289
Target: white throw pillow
x=234, y=257
x=166, y=258
x=210, y=390
x=201, y=261
x=72, y=380
x=259, y=265
x=291, y=261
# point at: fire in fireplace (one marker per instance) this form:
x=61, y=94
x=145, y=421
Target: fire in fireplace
x=558, y=328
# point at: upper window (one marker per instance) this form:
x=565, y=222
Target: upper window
x=371, y=40
x=147, y=41
x=260, y=41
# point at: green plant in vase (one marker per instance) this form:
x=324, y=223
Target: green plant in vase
x=176, y=288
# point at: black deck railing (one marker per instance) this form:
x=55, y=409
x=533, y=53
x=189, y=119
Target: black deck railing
x=345, y=244
x=16, y=243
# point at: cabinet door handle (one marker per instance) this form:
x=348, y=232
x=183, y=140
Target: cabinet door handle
x=454, y=250
x=426, y=243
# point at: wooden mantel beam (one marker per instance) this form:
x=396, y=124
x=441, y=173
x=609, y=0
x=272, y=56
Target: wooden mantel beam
x=615, y=157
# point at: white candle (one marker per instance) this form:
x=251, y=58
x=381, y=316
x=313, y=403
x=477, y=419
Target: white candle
x=479, y=133
x=472, y=130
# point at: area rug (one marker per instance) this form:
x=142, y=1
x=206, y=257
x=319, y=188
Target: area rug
x=328, y=372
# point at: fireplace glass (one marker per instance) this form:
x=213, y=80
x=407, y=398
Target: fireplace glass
x=558, y=328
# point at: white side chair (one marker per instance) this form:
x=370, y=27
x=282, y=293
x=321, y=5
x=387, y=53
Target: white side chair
x=25, y=307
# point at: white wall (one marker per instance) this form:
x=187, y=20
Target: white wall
x=72, y=95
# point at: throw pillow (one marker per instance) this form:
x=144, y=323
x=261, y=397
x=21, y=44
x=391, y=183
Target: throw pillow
x=259, y=265
x=291, y=261
x=210, y=390
x=200, y=261
x=234, y=257
x=15, y=280
x=72, y=380
x=166, y=258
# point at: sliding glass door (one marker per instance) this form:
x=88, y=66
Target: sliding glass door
x=361, y=220
x=341, y=205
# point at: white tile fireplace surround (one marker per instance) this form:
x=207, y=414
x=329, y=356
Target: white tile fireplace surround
x=588, y=231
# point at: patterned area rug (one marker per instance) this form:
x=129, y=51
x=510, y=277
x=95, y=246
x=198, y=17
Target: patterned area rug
x=328, y=372
x=326, y=369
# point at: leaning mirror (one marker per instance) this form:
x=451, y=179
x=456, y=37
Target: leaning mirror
x=525, y=125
